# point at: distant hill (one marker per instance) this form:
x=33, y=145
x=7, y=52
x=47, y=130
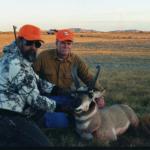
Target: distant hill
x=52, y=31
x=77, y=30
x=82, y=30
x=128, y=30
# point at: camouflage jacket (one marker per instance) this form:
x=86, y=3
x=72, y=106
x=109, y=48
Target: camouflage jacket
x=18, y=84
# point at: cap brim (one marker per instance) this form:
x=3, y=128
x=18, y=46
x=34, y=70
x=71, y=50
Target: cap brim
x=34, y=40
x=42, y=41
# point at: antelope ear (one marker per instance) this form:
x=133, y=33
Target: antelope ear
x=98, y=94
x=103, y=92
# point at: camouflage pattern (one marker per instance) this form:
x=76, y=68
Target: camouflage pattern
x=19, y=84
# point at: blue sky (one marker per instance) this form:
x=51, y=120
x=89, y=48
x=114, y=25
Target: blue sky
x=102, y=15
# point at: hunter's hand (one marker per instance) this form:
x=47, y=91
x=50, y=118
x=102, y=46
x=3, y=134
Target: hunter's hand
x=100, y=102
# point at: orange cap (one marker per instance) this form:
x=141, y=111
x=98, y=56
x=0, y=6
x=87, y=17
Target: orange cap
x=30, y=32
x=64, y=35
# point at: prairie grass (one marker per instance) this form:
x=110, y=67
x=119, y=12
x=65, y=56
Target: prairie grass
x=126, y=80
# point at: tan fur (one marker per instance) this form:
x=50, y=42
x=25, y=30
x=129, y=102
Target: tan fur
x=105, y=124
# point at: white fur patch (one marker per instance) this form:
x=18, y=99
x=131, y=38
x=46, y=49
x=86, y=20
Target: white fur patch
x=85, y=117
x=114, y=133
x=84, y=106
x=97, y=94
x=122, y=129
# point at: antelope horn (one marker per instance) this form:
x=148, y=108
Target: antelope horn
x=79, y=88
x=93, y=82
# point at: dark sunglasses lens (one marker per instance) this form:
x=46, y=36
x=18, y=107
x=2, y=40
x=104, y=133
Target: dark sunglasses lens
x=29, y=43
x=37, y=44
x=67, y=43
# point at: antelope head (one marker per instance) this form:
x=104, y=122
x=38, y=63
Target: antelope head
x=85, y=95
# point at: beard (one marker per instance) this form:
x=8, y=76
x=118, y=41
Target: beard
x=29, y=55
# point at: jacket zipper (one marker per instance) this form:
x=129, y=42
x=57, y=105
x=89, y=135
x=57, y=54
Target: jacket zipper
x=58, y=73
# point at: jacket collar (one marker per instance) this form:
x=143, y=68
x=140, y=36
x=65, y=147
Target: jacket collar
x=13, y=50
x=68, y=59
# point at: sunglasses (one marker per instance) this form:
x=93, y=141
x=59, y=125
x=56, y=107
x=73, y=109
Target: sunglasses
x=67, y=43
x=30, y=43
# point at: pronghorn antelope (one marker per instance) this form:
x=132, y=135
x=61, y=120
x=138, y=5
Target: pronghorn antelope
x=102, y=124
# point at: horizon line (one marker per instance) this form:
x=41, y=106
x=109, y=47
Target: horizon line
x=92, y=30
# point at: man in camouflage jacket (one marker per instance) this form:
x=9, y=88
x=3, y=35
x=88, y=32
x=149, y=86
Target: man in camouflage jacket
x=19, y=93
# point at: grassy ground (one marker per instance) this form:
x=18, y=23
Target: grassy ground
x=126, y=79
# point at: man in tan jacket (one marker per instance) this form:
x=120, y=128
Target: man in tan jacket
x=55, y=66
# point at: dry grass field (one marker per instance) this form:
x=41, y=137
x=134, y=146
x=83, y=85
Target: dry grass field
x=125, y=61
x=113, y=43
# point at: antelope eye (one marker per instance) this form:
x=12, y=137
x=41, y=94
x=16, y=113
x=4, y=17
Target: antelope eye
x=90, y=94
